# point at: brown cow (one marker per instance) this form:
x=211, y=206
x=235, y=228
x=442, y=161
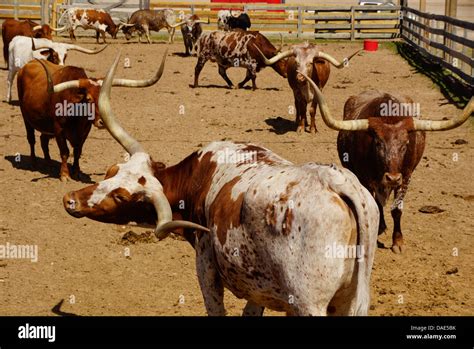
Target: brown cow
x=66, y=110
x=12, y=28
x=310, y=60
x=387, y=147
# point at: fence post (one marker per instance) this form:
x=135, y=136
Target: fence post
x=422, y=8
x=352, y=23
x=15, y=9
x=300, y=22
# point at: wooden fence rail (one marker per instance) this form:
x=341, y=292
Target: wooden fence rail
x=445, y=40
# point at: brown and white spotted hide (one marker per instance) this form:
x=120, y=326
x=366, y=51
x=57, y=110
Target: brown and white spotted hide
x=305, y=60
x=87, y=18
x=236, y=49
x=270, y=222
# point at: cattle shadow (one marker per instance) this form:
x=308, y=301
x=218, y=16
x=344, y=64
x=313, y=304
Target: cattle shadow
x=182, y=55
x=57, y=310
x=249, y=87
x=212, y=86
x=454, y=90
x=280, y=126
x=49, y=168
x=15, y=103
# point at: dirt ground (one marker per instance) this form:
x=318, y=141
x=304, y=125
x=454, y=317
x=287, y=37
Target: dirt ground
x=96, y=272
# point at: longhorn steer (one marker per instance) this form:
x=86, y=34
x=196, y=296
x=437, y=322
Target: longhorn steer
x=88, y=18
x=12, y=28
x=66, y=110
x=387, y=146
x=191, y=30
x=236, y=49
x=145, y=20
x=309, y=60
x=228, y=20
x=24, y=49
x=263, y=234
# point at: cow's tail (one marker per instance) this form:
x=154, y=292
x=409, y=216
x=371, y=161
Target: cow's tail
x=361, y=202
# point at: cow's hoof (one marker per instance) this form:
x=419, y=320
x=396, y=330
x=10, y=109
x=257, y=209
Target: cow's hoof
x=397, y=249
x=300, y=129
x=64, y=178
x=380, y=244
x=313, y=130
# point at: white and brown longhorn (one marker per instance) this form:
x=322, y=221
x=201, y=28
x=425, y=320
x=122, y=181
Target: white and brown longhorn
x=386, y=149
x=258, y=230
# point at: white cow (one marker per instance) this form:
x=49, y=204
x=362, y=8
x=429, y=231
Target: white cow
x=23, y=49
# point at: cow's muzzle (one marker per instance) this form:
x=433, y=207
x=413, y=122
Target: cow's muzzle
x=300, y=78
x=392, y=179
x=72, y=205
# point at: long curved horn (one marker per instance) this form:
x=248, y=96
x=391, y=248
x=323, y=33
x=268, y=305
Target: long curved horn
x=202, y=21
x=58, y=29
x=334, y=61
x=124, y=24
x=165, y=222
x=177, y=24
x=143, y=83
x=36, y=27
x=66, y=85
x=338, y=125
x=281, y=43
x=443, y=125
x=129, y=143
x=275, y=58
x=85, y=50
x=35, y=48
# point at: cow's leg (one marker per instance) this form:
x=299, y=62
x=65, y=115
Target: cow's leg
x=75, y=166
x=64, y=151
x=45, y=146
x=71, y=34
x=103, y=37
x=223, y=73
x=396, y=211
x=30, y=135
x=171, y=32
x=197, y=70
x=312, y=113
x=253, y=309
x=382, y=225
x=210, y=281
x=147, y=33
x=10, y=79
x=249, y=76
x=302, y=115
